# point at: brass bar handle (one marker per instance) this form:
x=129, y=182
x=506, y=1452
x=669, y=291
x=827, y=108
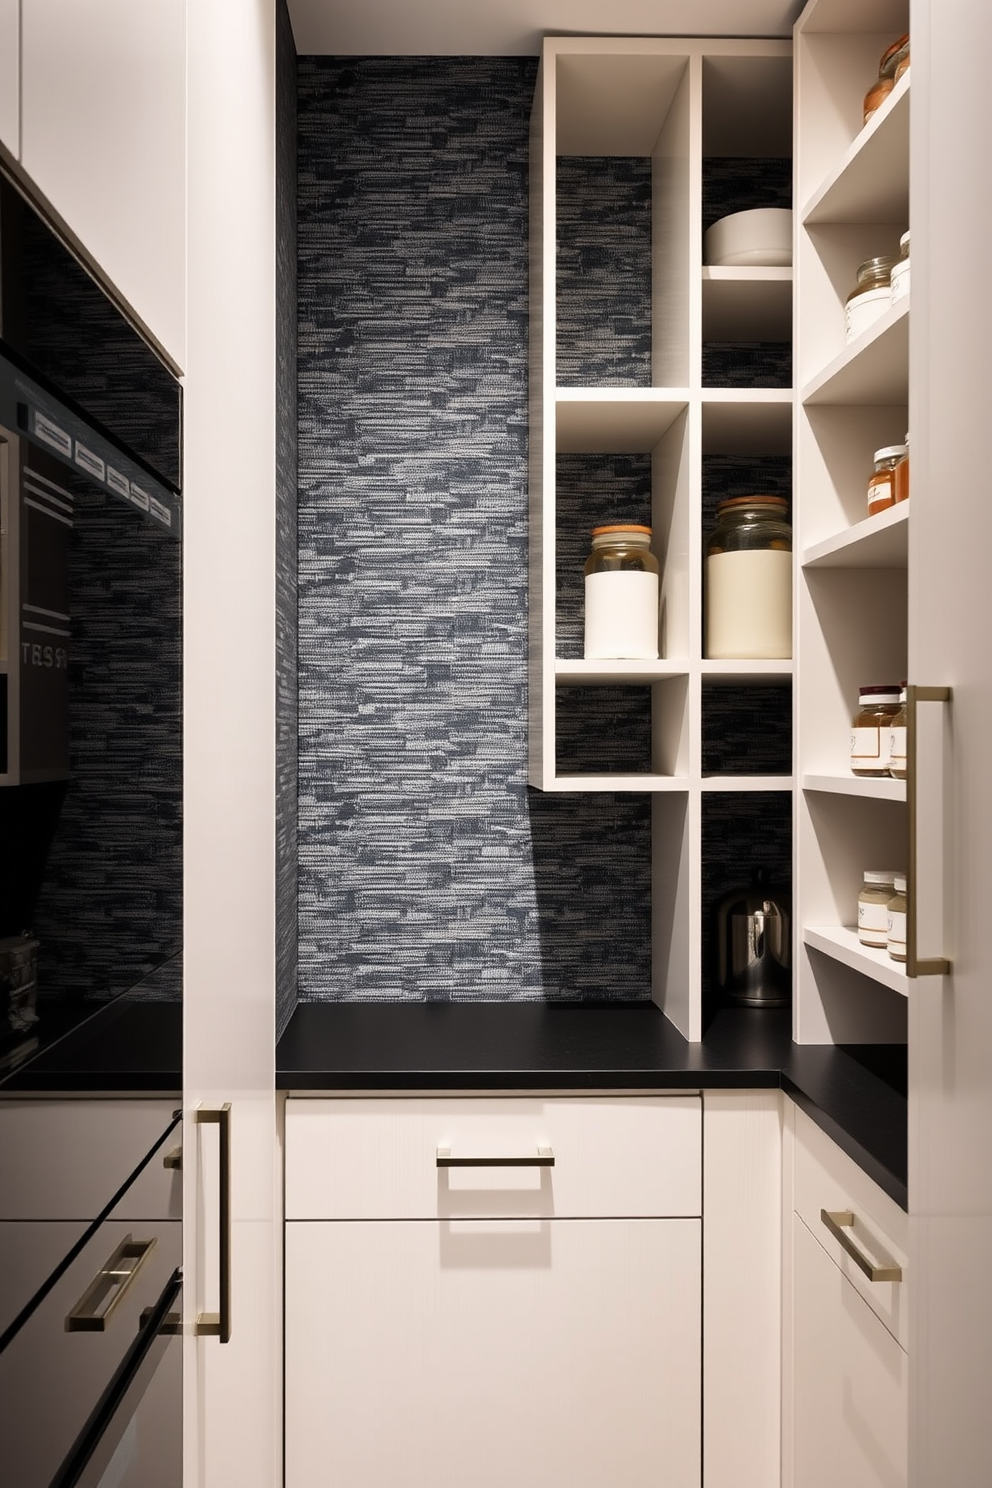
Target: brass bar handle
x=917, y=965
x=838, y=1222
x=542, y=1158
x=174, y=1158
x=95, y=1308
x=218, y=1324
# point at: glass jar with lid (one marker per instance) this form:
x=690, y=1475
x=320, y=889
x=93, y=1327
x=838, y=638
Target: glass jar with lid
x=882, y=481
x=897, y=740
x=748, y=591
x=899, y=278
x=898, y=914
x=621, y=594
x=892, y=65
x=871, y=297
x=873, y=907
x=871, y=729
x=901, y=479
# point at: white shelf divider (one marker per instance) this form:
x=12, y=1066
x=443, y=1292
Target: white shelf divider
x=881, y=541
x=607, y=420
x=745, y=304
x=873, y=369
x=740, y=673
x=628, y=673
x=842, y=943
x=644, y=782
x=871, y=182
x=883, y=788
x=726, y=784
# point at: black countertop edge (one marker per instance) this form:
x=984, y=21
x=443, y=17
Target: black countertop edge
x=352, y=1047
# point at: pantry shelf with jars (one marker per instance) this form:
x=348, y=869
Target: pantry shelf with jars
x=852, y=533
x=661, y=390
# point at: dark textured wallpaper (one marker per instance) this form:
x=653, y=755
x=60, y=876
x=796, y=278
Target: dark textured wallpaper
x=428, y=870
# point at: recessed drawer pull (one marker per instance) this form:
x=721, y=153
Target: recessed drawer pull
x=542, y=1158
x=838, y=1222
x=95, y=1308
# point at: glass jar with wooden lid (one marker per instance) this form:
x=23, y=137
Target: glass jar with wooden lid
x=871, y=296
x=621, y=595
x=871, y=729
x=748, y=591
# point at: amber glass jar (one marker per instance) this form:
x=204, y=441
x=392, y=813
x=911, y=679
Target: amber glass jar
x=749, y=580
x=892, y=65
x=871, y=729
x=871, y=295
x=882, y=481
x=901, y=476
x=621, y=591
x=897, y=741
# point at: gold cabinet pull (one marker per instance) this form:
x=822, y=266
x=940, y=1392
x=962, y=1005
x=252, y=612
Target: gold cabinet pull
x=218, y=1324
x=838, y=1222
x=174, y=1158
x=99, y=1302
x=917, y=965
x=542, y=1158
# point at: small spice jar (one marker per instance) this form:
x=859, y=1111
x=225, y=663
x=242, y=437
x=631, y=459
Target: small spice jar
x=871, y=297
x=899, y=278
x=897, y=915
x=873, y=906
x=621, y=590
x=901, y=482
x=749, y=580
x=871, y=729
x=897, y=740
x=882, y=481
x=893, y=58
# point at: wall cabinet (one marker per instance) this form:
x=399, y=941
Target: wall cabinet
x=847, y=1334
x=103, y=137
x=501, y=1322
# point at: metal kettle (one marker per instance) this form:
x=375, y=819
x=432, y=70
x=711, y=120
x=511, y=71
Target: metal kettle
x=754, y=956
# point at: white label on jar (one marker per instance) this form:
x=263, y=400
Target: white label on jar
x=870, y=746
x=897, y=747
x=873, y=923
x=749, y=605
x=900, y=280
x=865, y=309
x=897, y=933
x=621, y=616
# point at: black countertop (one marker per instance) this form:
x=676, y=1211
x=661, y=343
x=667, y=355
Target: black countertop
x=856, y=1095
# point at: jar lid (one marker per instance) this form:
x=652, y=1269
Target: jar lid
x=880, y=875
x=882, y=690
x=778, y=503
x=900, y=883
x=622, y=527
x=878, y=264
x=890, y=452
x=888, y=57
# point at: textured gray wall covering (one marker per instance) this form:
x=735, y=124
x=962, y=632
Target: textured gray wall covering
x=427, y=868
x=287, y=719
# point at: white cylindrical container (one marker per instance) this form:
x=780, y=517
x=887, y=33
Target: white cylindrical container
x=873, y=907
x=622, y=592
x=900, y=271
x=749, y=581
x=871, y=297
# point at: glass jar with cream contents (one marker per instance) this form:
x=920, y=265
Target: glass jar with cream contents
x=873, y=907
x=748, y=592
x=897, y=740
x=621, y=592
x=898, y=915
x=871, y=296
x=871, y=729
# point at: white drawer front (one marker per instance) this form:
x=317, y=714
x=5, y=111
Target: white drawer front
x=378, y=1159
x=826, y=1178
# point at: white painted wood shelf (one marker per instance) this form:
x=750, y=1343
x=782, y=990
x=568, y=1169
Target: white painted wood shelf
x=607, y=420
x=747, y=304
x=871, y=182
x=881, y=541
x=873, y=369
x=841, y=943
x=612, y=673
x=867, y=787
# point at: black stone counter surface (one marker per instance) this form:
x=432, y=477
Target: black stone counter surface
x=856, y=1094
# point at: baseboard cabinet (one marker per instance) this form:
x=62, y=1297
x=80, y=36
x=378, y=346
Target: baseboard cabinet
x=542, y=1326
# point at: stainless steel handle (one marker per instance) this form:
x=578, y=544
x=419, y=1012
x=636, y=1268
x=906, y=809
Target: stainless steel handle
x=838, y=1222
x=218, y=1324
x=922, y=894
x=542, y=1158
x=99, y=1302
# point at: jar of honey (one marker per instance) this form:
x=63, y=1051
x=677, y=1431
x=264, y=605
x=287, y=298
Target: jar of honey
x=901, y=475
x=881, y=482
x=871, y=729
x=892, y=65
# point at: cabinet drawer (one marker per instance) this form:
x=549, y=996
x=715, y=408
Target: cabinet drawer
x=379, y=1159
x=826, y=1178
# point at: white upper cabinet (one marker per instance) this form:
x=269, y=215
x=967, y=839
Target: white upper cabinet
x=10, y=123
x=103, y=139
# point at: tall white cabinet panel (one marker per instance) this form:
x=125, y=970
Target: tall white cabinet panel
x=10, y=75
x=232, y=1390
x=103, y=139
x=564, y=1353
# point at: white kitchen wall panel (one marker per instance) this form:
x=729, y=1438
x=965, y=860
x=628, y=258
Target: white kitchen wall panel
x=103, y=139
x=10, y=75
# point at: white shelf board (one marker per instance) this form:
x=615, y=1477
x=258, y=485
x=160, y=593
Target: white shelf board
x=830, y=17
x=872, y=370
x=645, y=782
x=881, y=541
x=881, y=788
x=747, y=304
x=595, y=673
x=871, y=183
x=747, y=421
x=620, y=421
x=739, y=783
x=842, y=943
x=740, y=673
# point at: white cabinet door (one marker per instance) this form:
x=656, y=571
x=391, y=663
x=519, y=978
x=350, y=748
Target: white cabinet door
x=850, y=1380
x=103, y=138
x=559, y=1353
x=10, y=75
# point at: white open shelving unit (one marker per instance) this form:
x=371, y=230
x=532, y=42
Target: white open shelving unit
x=675, y=101
x=852, y=201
